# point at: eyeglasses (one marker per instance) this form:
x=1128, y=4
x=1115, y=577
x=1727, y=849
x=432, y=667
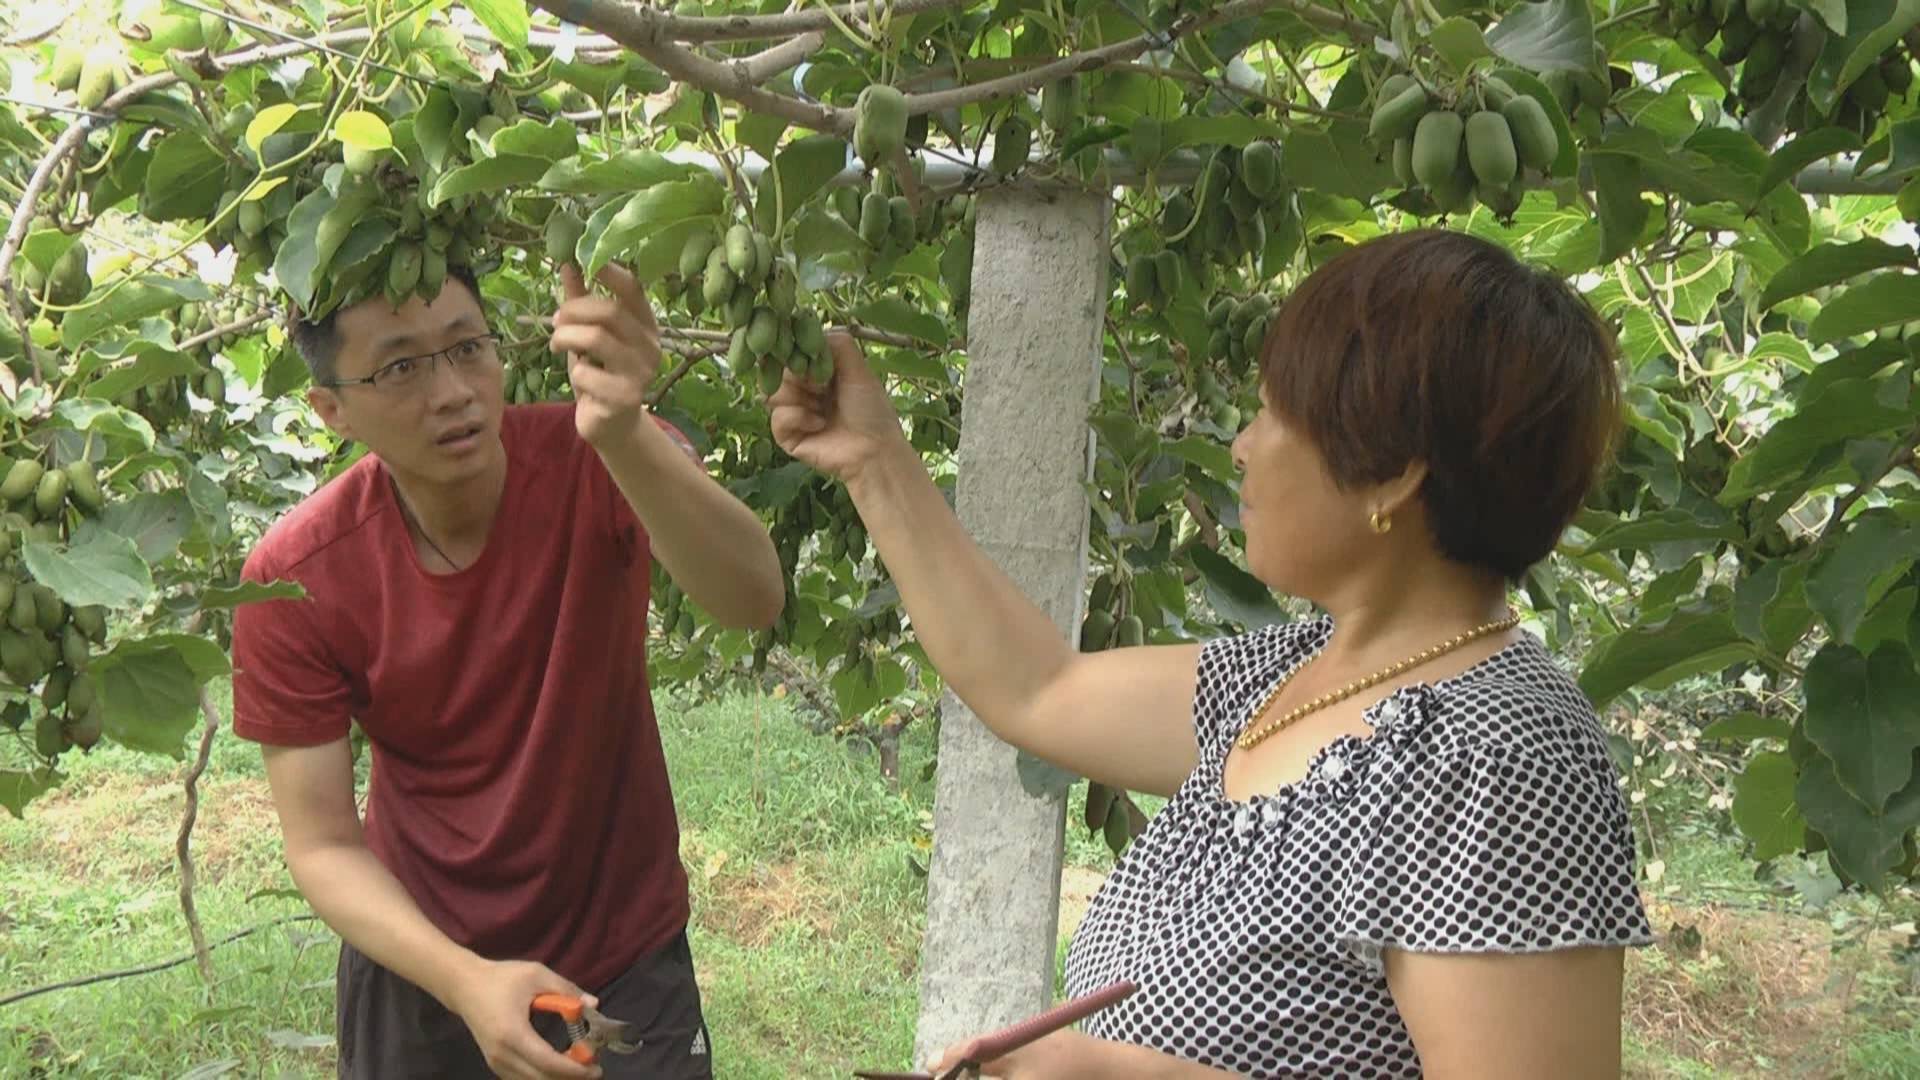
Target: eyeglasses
x=409, y=372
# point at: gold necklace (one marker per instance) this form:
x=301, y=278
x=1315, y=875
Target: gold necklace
x=1253, y=737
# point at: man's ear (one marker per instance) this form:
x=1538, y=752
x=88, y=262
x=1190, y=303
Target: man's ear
x=326, y=404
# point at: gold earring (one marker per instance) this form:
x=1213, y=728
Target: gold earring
x=1382, y=523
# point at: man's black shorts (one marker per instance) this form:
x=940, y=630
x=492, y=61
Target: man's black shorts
x=390, y=1029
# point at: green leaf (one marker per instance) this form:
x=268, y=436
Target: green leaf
x=1903, y=140
x=18, y=787
x=1092, y=135
x=1777, y=345
x=805, y=167
x=363, y=130
x=1865, y=843
x=1209, y=454
x=488, y=174
x=625, y=172
x=1889, y=620
x=1830, y=264
x=1238, y=596
x=1770, y=605
x=150, y=692
x=1763, y=806
x=853, y=692
x=1908, y=200
x=507, y=20
x=1885, y=300
x=433, y=126
x=1845, y=409
x=43, y=247
x=892, y=678
x=1553, y=36
x=826, y=248
x=154, y=521
x=1857, y=570
x=895, y=314
x=260, y=189
x=1690, y=641
x=907, y=364
x=1337, y=161
x=269, y=120
x=659, y=255
x=249, y=592
x=1863, y=362
x=1663, y=526
x=1716, y=165
x=152, y=363
x=110, y=420
x=1805, y=149
x=1228, y=129
x=552, y=141
x=1747, y=726
x=761, y=134
x=773, y=489
x=1833, y=13
x=1649, y=414
x=1873, y=26
x=1623, y=213
x=649, y=212
x=1459, y=42
x=150, y=294
x=298, y=260
x=210, y=504
x=1864, y=713
x=105, y=570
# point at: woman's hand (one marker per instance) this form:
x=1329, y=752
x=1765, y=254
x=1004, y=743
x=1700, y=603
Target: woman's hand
x=843, y=427
x=1063, y=1055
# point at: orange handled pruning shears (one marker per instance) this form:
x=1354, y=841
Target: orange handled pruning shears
x=590, y=1031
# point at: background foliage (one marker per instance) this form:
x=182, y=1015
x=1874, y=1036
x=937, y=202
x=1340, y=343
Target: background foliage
x=1732, y=184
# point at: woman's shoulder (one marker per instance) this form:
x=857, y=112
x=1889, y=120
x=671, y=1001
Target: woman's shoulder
x=1260, y=654
x=1235, y=667
x=1519, y=702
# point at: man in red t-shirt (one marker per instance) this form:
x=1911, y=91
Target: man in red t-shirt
x=476, y=599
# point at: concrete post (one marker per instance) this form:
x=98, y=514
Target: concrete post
x=1034, y=346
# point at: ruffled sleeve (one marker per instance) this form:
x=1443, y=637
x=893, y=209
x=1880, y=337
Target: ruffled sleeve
x=1495, y=848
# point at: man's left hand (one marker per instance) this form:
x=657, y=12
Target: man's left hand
x=612, y=345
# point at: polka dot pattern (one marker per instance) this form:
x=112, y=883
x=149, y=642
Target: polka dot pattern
x=1482, y=814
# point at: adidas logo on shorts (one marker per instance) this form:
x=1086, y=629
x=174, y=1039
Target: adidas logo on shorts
x=699, y=1044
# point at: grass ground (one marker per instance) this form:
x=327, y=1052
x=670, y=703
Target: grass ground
x=807, y=919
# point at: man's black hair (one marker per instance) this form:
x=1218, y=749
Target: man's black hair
x=318, y=341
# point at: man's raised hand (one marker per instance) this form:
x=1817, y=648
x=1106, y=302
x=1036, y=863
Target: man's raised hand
x=612, y=345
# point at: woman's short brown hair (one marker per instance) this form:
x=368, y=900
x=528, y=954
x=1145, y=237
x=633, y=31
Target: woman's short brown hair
x=1438, y=346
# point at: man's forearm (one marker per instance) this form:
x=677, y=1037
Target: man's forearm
x=367, y=906
x=710, y=543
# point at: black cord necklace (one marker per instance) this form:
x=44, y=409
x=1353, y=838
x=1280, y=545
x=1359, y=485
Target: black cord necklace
x=407, y=513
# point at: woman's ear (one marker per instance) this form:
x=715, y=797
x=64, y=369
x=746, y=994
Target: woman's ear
x=1389, y=498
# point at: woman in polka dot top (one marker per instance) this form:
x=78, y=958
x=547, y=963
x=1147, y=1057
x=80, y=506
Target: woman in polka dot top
x=1395, y=844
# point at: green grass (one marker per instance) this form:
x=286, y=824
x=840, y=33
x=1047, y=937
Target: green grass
x=808, y=908
x=808, y=911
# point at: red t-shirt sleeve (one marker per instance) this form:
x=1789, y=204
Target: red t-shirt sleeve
x=287, y=689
